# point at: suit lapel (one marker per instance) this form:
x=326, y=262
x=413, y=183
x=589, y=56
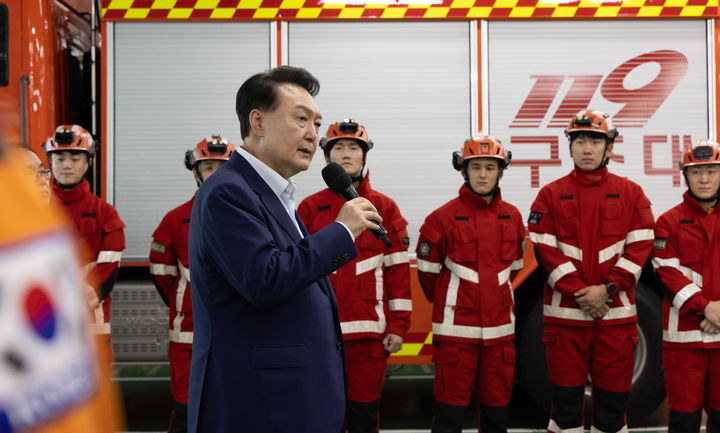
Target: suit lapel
x=266, y=195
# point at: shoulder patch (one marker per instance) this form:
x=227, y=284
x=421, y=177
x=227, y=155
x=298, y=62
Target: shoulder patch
x=503, y=217
x=659, y=244
x=158, y=247
x=534, y=218
x=423, y=249
x=406, y=240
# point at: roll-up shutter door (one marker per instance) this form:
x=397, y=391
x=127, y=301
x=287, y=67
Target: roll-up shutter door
x=175, y=83
x=409, y=83
x=651, y=76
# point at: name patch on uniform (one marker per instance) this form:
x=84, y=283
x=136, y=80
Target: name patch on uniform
x=566, y=197
x=503, y=217
x=687, y=221
x=406, y=240
x=186, y=220
x=158, y=247
x=659, y=244
x=326, y=207
x=88, y=214
x=534, y=218
x=423, y=249
x=461, y=218
x=612, y=195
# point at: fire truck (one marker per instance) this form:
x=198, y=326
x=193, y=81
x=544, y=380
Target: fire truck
x=421, y=75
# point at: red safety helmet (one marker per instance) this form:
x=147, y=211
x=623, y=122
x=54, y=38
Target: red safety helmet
x=215, y=147
x=348, y=128
x=70, y=137
x=482, y=146
x=701, y=153
x=592, y=121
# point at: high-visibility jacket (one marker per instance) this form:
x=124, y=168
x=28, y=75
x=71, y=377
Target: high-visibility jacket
x=373, y=290
x=467, y=254
x=170, y=269
x=591, y=227
x=43, y=305
x=102, y=233
x=686, y=256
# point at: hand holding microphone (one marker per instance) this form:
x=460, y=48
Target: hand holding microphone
x=358, y=213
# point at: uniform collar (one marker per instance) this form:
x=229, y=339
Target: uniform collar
x=473, y=200
x=694, y=205
x=590, y=178
x=73, y=194
x=364, y=187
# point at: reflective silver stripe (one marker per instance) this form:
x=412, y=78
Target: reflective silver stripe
x=629, y=266
x=475, y=332
x=621, y=312
x=553, y=427
x=517, y=264
x=675, y=264
x=559, y=272
x=363, y=326
x=570, y=251
x=594, y=429
x=673, y=335
x=608, y=253
x=182, y=285
x=185, y=337
x=184, y=272
x=400, y=305
x=160, y=269
x=368, y=264
x=89, y=267
x=461, y=271
x=100, y=326
x=684, y=294
x=396, y=258
x=544, y=238
x=431, y=267
x=504, y=276
x=640, y=235
x=109, y=256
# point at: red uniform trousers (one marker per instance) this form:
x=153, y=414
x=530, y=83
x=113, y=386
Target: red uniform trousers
x=460, y=367
x=365, y=363
x=692, y=380
x=607, y=354
x=180, y=375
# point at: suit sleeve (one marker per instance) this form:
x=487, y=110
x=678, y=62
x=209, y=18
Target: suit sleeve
x=681, y=282
x=431, y=250
x=517, y=265
x=626, y=272
x=111, y=248
x=237, y=239
x=396, y=277
x=163, y=260
x=563, y=276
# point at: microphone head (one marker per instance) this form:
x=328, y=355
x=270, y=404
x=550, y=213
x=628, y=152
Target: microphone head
x=336, y=178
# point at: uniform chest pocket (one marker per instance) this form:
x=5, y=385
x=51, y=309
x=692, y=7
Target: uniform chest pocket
x=463, y=247
x=613, y=223
x=691, y=244
x=567, y=223
x=509, y=248
x=367, y=242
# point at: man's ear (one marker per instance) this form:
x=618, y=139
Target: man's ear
x=327, y=159
x=500, y=173
x=609, y=150
x=256, y=122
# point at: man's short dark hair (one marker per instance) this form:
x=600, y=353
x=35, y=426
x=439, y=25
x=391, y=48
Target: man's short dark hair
x=589, y=134
x=260, y=91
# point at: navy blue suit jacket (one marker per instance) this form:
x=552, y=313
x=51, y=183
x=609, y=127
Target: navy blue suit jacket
x=267, y=346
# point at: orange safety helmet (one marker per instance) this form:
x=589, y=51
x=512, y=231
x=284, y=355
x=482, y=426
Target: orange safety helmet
x=482, y=146
x=701, y=153
x=215, y=147
x=70, y=137
x=348, y=128
x=592, y=121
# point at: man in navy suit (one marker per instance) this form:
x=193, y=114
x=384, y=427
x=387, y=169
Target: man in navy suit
x=267, y=349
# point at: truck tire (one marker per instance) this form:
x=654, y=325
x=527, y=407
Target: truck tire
x=648, y=387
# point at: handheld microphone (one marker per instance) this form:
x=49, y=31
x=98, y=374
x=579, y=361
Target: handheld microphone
x=339, y=182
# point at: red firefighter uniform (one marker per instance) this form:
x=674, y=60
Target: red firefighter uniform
x=102, y=232
x=53, y=383
x=169, y=266
x=468, y=252
x=373, y=290
x=686, y=254
x=589, y=228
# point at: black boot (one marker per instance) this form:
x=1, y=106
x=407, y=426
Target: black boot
x=493, y=419
x=567, y=407
x=609, y=409
x=448, y=418
x=362, y=417
x=685, y=422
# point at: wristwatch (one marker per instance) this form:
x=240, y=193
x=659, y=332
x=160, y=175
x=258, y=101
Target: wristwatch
x=611, y=288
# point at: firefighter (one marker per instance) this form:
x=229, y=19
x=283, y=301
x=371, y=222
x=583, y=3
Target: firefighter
x=686, y=253
x=70, y=152
x=467, y=254
x=593, y=233
x=373, y=290
x=169, y=268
